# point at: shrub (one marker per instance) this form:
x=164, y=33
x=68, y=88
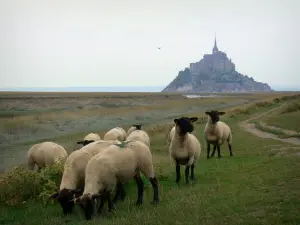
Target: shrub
x=21, y=184
x=292, y=107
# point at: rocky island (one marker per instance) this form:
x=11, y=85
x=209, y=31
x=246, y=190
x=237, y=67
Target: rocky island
x=214, y=73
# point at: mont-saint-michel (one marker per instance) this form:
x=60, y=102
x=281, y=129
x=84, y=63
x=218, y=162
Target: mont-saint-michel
x=214, y=73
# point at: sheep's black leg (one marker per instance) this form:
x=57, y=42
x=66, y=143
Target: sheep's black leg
x=192, y=172
x=219, y=153
x=230, y=149
x=154, y=184
x=122, y=192
x=177, y=171
x=208, y=149
x=213, y=153
x=118, y=193
x=39, y=169
x=110, y=204
x=187, y=172
x=103, y=199
x=140, y=185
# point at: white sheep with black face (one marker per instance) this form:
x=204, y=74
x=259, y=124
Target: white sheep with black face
x=134, y=127
x=117, y=163
x=44, y=154
x=72, y=182
x=91, y=137
x=117, y=133
x=185, y=148
x=139, y=135
x=217, y=132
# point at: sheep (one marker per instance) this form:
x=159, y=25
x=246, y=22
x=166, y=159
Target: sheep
x=91, y=137
x=72, y=181
x=139, y=135
x=116, y=133
x=172, y=131
x=216, y=132
x=119, y=162
x=44, y=154
x=185, y=148
x=134, y=127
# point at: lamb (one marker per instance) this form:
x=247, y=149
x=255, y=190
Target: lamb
x=134, y=127
x=119, y=162
x=72, y=181
x=172, y=131
x=139, y=135
x=185, y=148
x=116, y=133
x=44, y=154
x=91, y=137
x=217, y=132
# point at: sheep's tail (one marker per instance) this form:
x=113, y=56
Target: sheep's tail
x=30, y=163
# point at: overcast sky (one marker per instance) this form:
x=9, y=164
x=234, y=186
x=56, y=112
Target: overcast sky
x=114, y=43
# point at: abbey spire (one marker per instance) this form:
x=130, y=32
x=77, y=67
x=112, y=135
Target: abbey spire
x=215, y=49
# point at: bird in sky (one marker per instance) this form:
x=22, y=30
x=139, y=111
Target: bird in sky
x=159, y=47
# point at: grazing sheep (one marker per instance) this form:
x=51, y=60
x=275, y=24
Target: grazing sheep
x=172, y=131
x=185, y=148
x=139, y=135
x=44, y=154
x=116, y=133
x=91, y=137
x=119, y=162
x=134, y=127
x=217, y=132
x=72, y=181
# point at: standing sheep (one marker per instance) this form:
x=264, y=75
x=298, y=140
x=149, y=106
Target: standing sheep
x=139, y=135
x=116, y=133
x=134, y=127
x=117, y=163
x=72, y=182
x=185, y=148
x=217, y=132
x=44, y=154
x=91, y=137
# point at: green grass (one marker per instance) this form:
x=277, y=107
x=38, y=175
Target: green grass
x=268, y=130
x=252, y=187
x=289, y=121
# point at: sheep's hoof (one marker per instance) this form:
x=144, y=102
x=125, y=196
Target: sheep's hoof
x=207, y=157
x=155, y=202
x=219, y=157
x=138, y=203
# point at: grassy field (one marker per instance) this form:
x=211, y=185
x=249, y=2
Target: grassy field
x=252, y=187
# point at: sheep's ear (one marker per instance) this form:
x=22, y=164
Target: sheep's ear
x=79, y=142
x=221, y=113
x=90, y=141
x=193, y=119
x=176, y=121
x=207, y=113
x=55, y=195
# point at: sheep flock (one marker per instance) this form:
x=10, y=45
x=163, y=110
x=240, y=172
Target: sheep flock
x=101, y=166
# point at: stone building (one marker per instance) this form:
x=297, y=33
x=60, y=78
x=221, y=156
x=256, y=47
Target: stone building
x=217, y=62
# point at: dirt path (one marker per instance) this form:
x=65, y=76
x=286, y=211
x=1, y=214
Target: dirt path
x=250, y=127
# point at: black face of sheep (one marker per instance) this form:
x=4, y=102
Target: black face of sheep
x=85, y=142
x=137, y=126
x=87, y=203
x=185, y=124
x=64, y=197
x=214, y=115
